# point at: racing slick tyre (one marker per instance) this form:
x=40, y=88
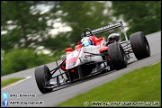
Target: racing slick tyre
x=42, y=76
x=140, y=45
x=117, y=56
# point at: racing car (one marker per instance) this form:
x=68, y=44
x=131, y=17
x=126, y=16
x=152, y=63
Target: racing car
x=93, y=55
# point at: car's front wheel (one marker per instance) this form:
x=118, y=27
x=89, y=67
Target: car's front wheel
x=117, y=56
x=42, y=77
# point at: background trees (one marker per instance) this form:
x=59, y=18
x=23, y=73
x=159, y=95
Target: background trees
x=24, y=24
x=24, y=58
x=28, y=25
x=140, y=15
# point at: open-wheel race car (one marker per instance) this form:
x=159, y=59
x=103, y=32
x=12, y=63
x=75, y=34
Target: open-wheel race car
x=93, y=55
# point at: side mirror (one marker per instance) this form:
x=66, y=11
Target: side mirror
x=79, y=43
x=99, y=40
x=68, y=49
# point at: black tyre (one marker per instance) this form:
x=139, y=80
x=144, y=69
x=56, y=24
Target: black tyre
x=140, y=45
x=117, y=56
x=42, y=76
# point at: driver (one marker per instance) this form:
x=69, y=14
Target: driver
x=89, y=39
x=86, y=41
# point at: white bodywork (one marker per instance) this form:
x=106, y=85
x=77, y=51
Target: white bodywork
x=79, y=56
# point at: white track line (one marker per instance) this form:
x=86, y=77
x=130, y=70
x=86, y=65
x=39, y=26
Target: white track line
x=16, y=82
x=155, y=63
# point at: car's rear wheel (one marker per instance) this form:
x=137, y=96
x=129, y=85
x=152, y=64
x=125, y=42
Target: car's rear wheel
x=117, y=56
x=140, y=45
x=42, y=77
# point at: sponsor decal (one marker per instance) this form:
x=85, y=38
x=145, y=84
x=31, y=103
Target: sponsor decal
x=106, y=27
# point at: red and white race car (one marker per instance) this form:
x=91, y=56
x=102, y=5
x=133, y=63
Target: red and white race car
x=93, y=55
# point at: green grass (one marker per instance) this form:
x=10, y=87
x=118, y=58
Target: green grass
x=140, y=85
x=7, y=82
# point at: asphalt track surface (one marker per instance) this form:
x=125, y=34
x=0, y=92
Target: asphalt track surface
x=28, y=86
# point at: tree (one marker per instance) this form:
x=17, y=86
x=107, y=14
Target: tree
x=20, y=59
x=140, y=15
x=84, y=14
x=24, y=23
x=27, y=27
x=30, y=27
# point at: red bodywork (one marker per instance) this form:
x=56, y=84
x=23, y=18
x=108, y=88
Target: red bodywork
x=96, y=41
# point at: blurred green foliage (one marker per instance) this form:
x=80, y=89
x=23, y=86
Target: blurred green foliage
x=23, y=23
x=140, y=15
x=27, y=28
x=84, y=14
x=20, y=59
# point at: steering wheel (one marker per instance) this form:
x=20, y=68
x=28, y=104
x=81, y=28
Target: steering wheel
x=84, y=33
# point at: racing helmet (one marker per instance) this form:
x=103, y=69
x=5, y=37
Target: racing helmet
x=86, y=41
x=113, y=37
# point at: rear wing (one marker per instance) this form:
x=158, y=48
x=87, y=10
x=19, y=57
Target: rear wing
x=107, y=28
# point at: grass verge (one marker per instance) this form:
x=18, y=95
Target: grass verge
x=7, y=82
x=141, y=87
